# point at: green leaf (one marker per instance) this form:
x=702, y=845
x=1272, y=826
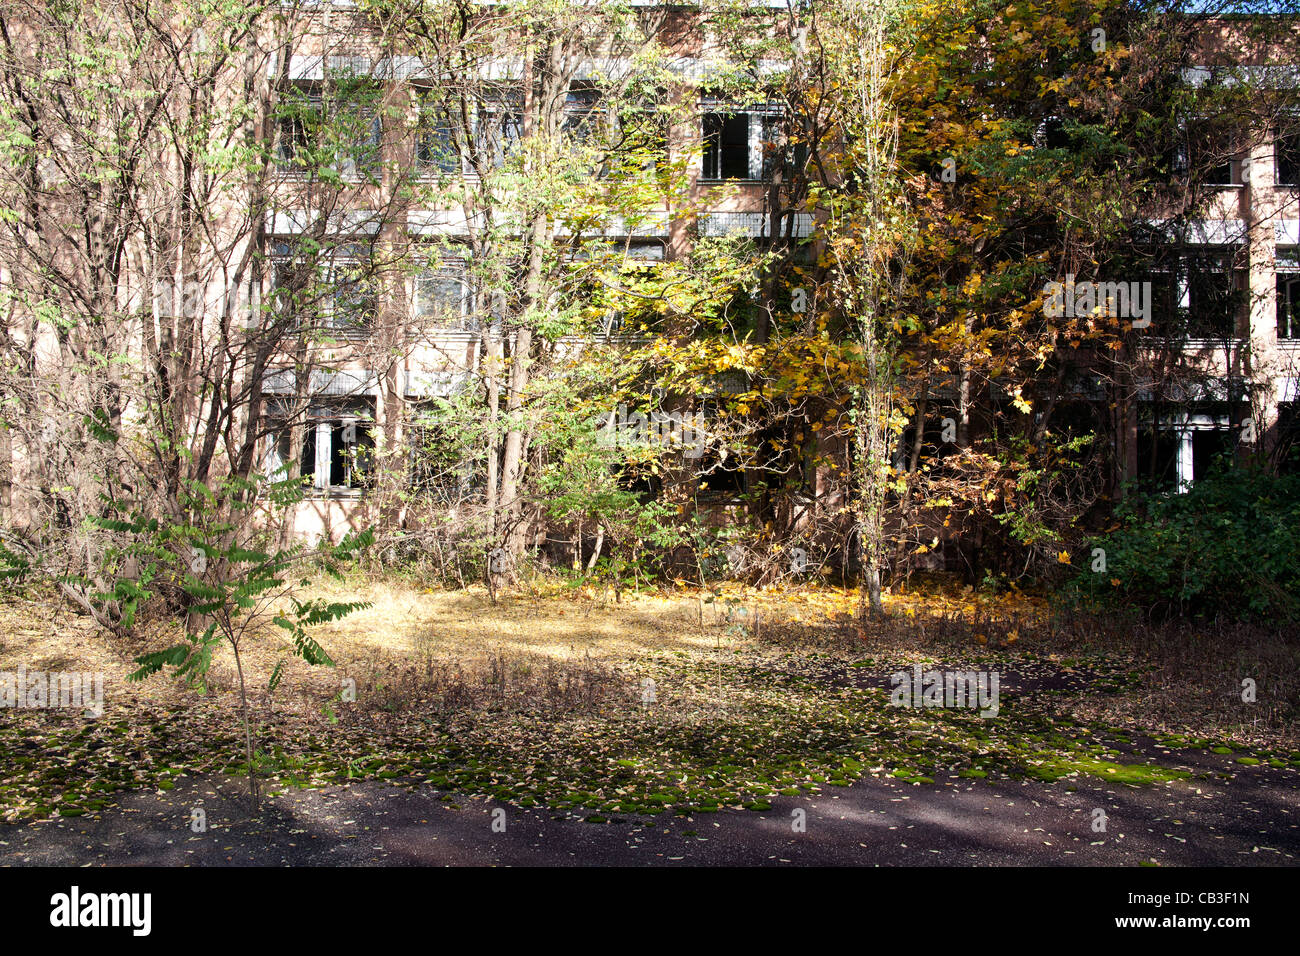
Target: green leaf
x=153, y=663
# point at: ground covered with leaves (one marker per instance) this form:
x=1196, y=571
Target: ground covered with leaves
x=682, y=702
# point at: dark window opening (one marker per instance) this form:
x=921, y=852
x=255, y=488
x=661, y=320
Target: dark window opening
x=722, y=477
x=1164, y=303
x=938, y=441
x=1074, y=419
x=1157, y=450
x=337, y=444
x=1054, y=134
x=1222, y=174
x=345, y=461
x=783, y=464
x=1287, y=149
x=726, y=146
x=1212, y=299
x=1211, y=156
x=1211, y=450
x=643, y=485
x=1288, y=306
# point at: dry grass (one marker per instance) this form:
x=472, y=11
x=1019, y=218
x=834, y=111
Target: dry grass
x=538, y=698
x=569, y=650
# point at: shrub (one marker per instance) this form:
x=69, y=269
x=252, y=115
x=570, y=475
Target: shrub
x=1227, y=547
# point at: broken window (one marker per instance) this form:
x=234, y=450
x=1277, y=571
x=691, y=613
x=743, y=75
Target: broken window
x=339, y=290
x=337, y=443
x=499, y=127
x=721, y=475
x=582, y=112
x=726, y=146
x=1210, y=295
x=641, y=130
x=1179, y=447
x=736, y=140
x=1210, y=448
x=1157, y=453
x=627, y=301
x=354, y=303
x=294, y=138
x=1055, y=133
x=720, y=468
x=1164, y=302
x=938, y=439
x=1205, y=149
x=1196, y=292
x=1286, y=448
x=638, y=481
x=794, y=155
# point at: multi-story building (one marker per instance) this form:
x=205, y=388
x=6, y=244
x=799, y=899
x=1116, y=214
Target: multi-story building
x=376, y=216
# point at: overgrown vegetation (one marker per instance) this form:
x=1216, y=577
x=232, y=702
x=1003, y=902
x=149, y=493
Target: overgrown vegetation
x=498, y=700
x=1228, y=546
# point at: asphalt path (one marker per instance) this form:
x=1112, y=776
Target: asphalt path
x=1251, y=817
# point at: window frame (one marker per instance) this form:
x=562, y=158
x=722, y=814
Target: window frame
x=452, y=163
x=320, y=419
x=502, y=111
x=325, y=300
x=456, y=269
x=353, y=166
x=460, y=483
x=1184, y=425
x=757, y=117
x=1287, y=271
x=1286, y=152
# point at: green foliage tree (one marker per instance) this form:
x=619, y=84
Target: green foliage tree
x=1228, y=546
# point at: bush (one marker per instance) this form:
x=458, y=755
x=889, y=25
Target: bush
x=1228, y=547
